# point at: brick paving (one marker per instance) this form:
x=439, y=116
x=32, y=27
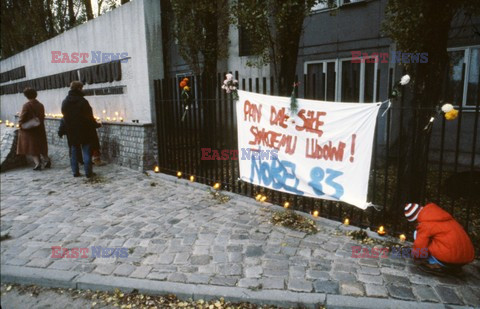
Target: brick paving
x=177, y=232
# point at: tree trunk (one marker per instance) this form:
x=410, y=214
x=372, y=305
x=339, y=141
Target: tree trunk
x=287, y=42
x=210, y=20
x=426, y=91
x=71, y=14
x=88, y=8
x=50, y=19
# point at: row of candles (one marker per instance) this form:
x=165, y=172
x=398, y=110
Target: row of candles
x=104, y=117
x=9, y=124
x=262, y=198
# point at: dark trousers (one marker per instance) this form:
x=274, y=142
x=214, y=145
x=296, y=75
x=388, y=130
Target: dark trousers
x=87, y=158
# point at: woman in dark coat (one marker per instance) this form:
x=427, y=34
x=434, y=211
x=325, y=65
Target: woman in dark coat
x=33, y=142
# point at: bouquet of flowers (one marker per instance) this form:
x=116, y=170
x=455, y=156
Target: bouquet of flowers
x=230, y=85
x=450, y=113
x=185, y=95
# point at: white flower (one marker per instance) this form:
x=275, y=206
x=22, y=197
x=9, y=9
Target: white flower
x=405, y=80
x=229, y=76
x=234, y=88
x=447, y=107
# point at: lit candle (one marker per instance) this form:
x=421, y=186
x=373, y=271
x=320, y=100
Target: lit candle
x=1, y=121
x=104, y=111
x=116, y=114
x=286, y=204
x=18, y=126
x=263, y=198
x=192, y=178
x=108, y=118
x=156, y=169
x=114, y=119
x=121, y=119
x=216, y=186
x=315, y=213
x=346, y=222
x=258, y=197
x=381, y=231
x=179, y=174
x=402, y=238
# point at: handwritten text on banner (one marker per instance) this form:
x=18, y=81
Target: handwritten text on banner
x=324, y=150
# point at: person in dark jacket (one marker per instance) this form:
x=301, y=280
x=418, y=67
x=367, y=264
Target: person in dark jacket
x=33, y=141
x=80, y=126
x=62, y=131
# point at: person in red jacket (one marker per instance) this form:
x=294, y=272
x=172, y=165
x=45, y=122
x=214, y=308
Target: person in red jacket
x=448, y=245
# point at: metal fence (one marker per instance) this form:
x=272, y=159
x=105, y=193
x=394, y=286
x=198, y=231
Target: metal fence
x=453, y=179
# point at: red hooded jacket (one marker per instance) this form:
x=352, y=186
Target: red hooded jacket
x=444, y=237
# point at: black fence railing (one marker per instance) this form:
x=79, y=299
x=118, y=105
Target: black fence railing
x=453, y=175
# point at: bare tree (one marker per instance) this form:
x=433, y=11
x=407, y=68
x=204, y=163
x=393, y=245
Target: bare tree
x=88, y=8
x=71, y=14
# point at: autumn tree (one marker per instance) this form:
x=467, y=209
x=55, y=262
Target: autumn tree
x=421, y=26
x=201, y=29
x=275, y=28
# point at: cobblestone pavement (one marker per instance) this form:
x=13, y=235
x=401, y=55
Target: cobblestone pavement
x=176, y=232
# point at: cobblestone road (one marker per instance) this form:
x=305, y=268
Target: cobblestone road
x=177, y=232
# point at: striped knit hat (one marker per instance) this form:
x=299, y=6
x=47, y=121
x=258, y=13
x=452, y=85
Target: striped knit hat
x=411, y=211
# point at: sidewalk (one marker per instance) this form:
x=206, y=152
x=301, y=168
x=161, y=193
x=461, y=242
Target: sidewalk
x=181, y=240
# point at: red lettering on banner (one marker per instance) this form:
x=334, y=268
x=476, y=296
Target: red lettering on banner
x=252, y=111
x=311, y=121
x=278, y=118
x=273, y=139
x=325, y=151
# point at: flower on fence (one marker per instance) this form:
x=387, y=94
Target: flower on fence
x=447, y=107
x=185, y=95
x=230, y=85
x=450, y=112
x=405, y=80
x=293, y=99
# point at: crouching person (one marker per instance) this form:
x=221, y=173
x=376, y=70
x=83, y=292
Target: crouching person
x=447, y=243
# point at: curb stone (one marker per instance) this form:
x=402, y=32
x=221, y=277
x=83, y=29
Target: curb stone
x=76, y=280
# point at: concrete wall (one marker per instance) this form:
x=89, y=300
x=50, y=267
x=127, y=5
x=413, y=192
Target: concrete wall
x=126, y=144
x=134, y=28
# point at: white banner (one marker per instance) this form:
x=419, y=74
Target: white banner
x=323, y=151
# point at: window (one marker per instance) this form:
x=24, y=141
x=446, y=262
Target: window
x=462, y=80
x=350, y=81
x=473, y=88
x=357, y=82
x=245, y=46
x=321, y=80
x=325, y=5
x=332, y=4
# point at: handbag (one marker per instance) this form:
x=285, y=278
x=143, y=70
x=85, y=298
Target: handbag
x=31, y=124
